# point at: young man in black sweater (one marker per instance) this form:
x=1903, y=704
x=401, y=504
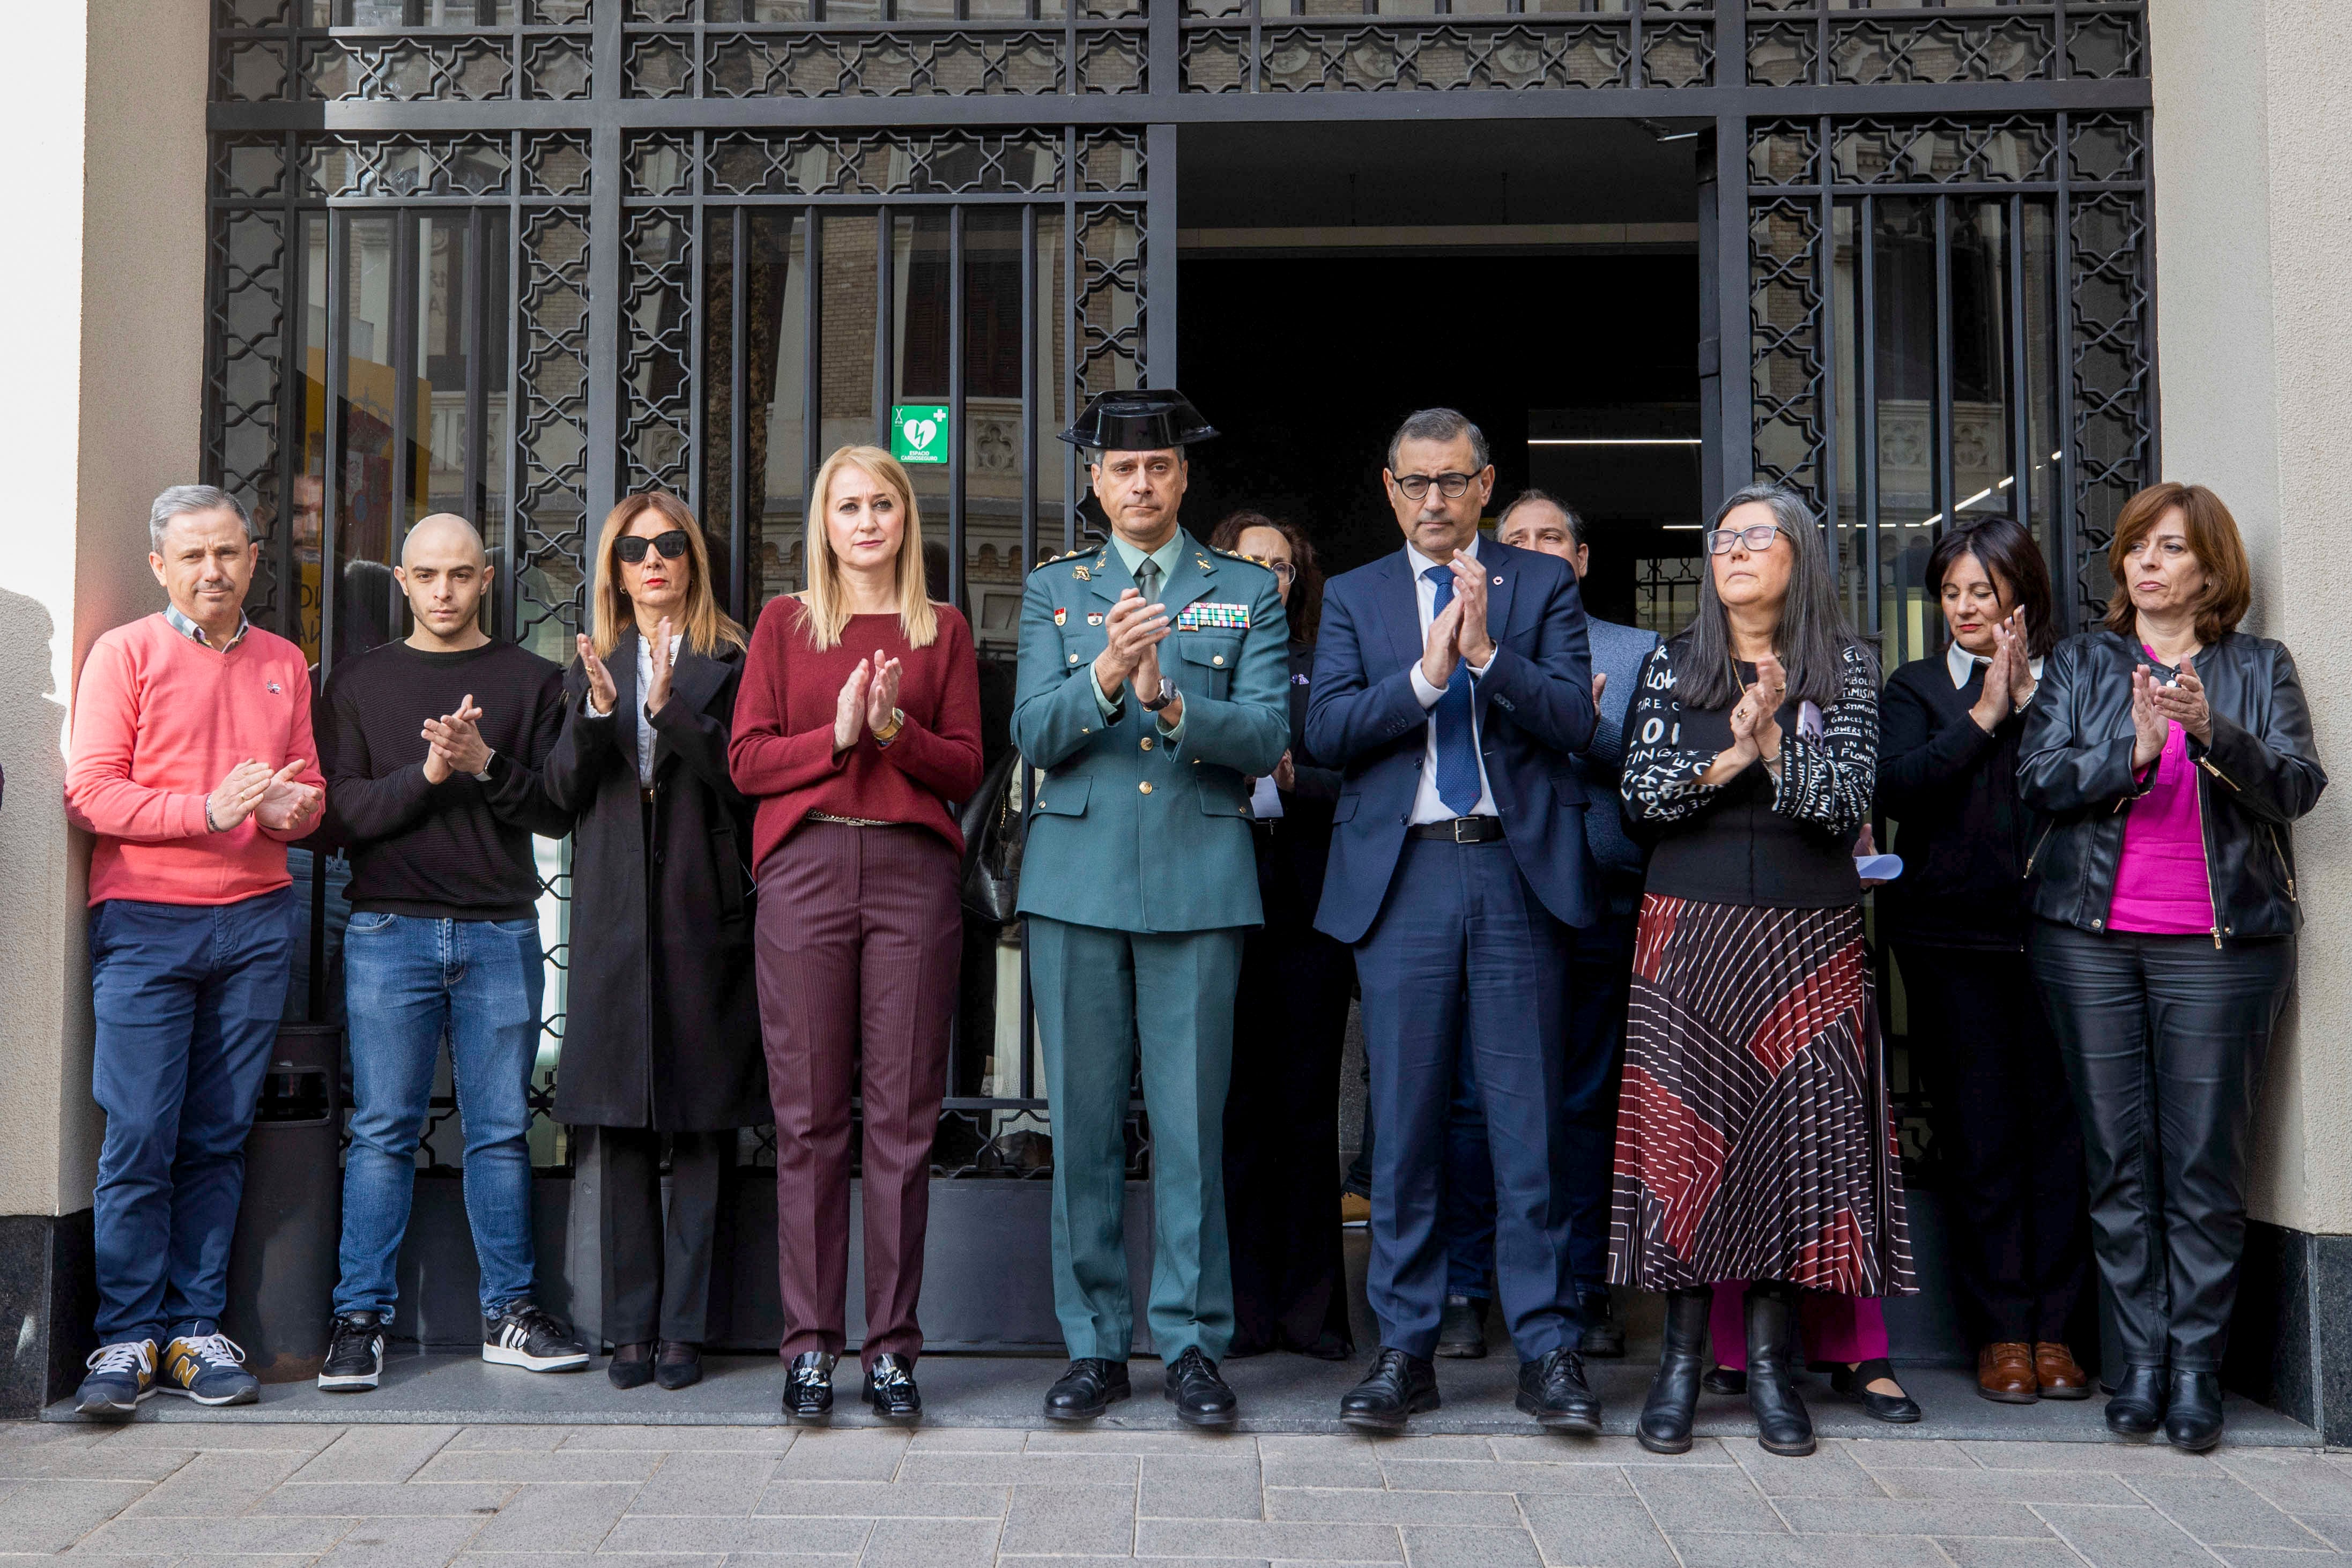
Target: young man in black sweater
x=433, y=747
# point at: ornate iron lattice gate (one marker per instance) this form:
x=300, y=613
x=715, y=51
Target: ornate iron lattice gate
x=516, y=258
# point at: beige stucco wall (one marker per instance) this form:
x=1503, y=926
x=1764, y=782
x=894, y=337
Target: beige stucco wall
x=2254, y=224
x=104, y=340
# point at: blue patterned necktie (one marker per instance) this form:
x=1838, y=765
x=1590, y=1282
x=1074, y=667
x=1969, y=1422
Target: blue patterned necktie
x=1457, y=745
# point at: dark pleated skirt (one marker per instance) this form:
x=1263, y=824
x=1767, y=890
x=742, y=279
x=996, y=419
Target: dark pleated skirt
x=1755, y=1136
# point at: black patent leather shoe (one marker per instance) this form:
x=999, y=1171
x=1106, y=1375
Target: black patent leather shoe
x=678, y=1364
x=2192, y=1410
x=890, y=1388
x=1089, y=1387
x=808, y=1392
x=1898, y=1408
x=2136, y=1407
x=1552, y=1390
x=1398, y=1388
x=1201, y=1398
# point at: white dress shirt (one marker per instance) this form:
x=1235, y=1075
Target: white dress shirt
x=1959, y=663
x=644, y=721
x=1426, y=805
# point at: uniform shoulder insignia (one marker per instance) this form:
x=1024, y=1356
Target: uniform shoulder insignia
x=1057, y=559
x=1237, y=555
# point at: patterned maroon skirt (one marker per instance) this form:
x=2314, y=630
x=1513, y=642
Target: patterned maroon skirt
x=1754, y=1138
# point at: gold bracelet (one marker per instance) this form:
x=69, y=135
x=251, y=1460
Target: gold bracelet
x=897, y=723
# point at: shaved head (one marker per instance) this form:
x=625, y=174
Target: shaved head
x=441, y=533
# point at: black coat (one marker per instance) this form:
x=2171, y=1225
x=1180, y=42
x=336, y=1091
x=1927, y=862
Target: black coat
x=662, y=1021
x=1962, y=832
x=2259, y=775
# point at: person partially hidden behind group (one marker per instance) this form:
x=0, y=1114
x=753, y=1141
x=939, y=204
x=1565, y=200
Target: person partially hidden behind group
x=858, y=735
x=663, y=1040
x=2007, y=1137
x=1290, y=1018
x=1755, y=1135
x=2172, y=754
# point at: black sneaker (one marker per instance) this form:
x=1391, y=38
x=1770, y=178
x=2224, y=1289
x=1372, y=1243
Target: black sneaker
x=523, y=1334
x=354, y=1354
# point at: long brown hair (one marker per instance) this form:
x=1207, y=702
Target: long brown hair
x=1305, y=608
x=829, y=607
x=2004, y=549
x=704, y=625
x=2212, y=540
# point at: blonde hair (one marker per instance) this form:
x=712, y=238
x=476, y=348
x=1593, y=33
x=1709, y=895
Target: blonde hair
x=827, y=605
x=704, y=625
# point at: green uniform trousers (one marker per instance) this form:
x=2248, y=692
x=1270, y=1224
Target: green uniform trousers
x=1100, y=995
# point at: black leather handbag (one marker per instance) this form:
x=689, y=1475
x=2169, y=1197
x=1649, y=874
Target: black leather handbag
x=994, y=825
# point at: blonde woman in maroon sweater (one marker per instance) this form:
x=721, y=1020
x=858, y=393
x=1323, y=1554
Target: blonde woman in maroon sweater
x=857, y=732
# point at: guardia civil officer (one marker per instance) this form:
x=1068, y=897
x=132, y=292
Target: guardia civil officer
x=1152, y=684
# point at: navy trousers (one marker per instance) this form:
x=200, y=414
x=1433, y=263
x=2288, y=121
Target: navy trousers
x=1465, y=962
x=188, y=999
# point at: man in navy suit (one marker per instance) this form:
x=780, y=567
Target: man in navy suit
x=1452, y=687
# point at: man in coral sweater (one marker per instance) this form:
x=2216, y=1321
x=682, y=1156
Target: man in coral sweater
x=193, y=765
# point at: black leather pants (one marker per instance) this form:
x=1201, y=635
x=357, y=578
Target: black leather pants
x=2164, y=1040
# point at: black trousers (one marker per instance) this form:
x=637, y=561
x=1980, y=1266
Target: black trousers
x=1282, y=1143
x=2165, y=1040
x=658, y=1272
x=2008, y=1140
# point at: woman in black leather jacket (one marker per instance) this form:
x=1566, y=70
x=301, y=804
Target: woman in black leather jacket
x=2170, y=754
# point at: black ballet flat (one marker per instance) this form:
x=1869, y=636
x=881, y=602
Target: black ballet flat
x=1900, y=1409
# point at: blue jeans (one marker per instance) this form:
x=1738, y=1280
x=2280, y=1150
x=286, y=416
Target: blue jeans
x=188, y=999
x=411, y=983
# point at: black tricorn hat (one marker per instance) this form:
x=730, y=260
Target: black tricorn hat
x=1149, y=419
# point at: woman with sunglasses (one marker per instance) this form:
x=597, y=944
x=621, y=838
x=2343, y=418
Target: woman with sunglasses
x=1756, y=1140
x=661, y=1044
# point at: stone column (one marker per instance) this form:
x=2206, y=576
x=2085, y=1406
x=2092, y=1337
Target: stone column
x=101, y=325
x=2253, y=226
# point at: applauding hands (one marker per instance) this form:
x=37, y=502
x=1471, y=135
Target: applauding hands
x=457, y=743
x=1755, y=724
x=2157, y=707
x=869, y=700
x=273, y=799
x=1458, y=632
x=2008, y=681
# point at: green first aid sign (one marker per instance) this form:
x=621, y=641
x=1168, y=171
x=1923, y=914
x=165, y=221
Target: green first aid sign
x=919, y=432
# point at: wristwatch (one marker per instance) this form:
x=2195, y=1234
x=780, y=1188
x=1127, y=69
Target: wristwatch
x=484, y=775
x=1163, y=698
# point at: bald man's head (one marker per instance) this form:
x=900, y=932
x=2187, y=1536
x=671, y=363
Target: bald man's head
x=444, y=571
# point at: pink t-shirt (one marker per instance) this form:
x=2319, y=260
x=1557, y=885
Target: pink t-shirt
x=2160, y=883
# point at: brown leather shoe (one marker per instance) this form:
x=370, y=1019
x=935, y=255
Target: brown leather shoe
x=2005, y=1373
x=2061, y=1378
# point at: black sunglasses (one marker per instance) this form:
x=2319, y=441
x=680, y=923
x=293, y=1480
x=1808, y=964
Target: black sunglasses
x=631, y=547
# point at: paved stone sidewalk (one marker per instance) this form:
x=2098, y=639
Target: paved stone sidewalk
x=215, y=1494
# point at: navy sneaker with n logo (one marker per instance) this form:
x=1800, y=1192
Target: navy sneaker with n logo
x=523, y=1334
x=208, y=1368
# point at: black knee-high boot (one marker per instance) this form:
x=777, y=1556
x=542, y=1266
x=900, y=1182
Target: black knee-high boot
x=1666, y=1424
x=1782, y=1423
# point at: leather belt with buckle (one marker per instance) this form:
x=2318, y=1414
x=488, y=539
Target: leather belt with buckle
x=1461, y=831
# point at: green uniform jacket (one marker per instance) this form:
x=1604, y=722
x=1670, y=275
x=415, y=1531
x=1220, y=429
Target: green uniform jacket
x=1131, y=832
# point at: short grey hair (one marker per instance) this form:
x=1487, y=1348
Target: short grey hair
x=1532, y=496
x=1438, y=425
x=183, y=498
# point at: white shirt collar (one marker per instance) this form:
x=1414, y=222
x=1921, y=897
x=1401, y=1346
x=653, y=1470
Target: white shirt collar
x=1421, y=564
x=1961, y=664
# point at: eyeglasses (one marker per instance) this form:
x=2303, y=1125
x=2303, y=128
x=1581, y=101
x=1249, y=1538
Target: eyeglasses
x=631, y=547
x=1283, y=569
x=1452, y=486
x=1758, y=538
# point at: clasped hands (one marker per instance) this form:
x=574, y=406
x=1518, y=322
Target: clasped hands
x=1458, y=632
x=869, y=700
x=1135, y=630
x=455, y=742
x=2157, y=707
x=273, y=799
x=2009, y=681
x=1755, y=724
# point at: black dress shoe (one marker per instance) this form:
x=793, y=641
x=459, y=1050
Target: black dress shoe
x=632, y=1365
x=1782, y=1425
x=1200, y=1397
x=890, y=1388
x=1462, y=1328
x=678, y=1364
x=1603, y=1336
x=2192, y=1410
x=808, y=1393
x=1552, y=1390
x=1089, y=1387
x=1666, y=1415
x=1899, y=1408
x=1724, y=1380
x=2136, y=1407
x=1398, y=1386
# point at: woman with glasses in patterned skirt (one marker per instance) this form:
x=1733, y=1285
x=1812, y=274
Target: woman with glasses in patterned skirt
x=1755, y=1137
x=661, y=1040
